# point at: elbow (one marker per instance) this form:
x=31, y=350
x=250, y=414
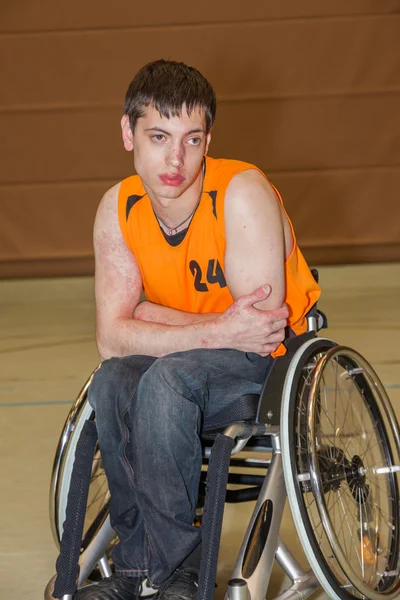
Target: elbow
x=105, y=347
x=143, y=311
x=102, y=348
x=138, y=313
x=114, y=339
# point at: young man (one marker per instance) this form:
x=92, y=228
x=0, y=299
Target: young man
x=214, y=251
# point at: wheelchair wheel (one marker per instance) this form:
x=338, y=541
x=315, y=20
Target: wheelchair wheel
x=341, y=457
x=98, y=536
x=97, y=530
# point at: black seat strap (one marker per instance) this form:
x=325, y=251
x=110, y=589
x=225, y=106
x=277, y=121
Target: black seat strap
x=243, y=409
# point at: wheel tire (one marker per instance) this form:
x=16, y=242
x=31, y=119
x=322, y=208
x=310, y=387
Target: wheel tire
x=308, y=469
x=98, y=535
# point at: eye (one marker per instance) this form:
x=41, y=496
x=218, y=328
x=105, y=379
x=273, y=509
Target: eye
x=159, y=137
x=194, y=141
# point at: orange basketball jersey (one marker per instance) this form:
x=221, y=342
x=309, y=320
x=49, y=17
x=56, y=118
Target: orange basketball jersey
x=190, y=276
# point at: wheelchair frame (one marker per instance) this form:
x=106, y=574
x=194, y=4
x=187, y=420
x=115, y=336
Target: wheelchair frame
x=267, y=511
x=272, y=493
x=261, y=543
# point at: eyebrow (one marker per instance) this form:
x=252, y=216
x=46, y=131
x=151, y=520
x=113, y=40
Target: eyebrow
x=198, y=130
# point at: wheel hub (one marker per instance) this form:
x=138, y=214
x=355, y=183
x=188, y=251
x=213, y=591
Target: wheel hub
x=335, y=468
x=332, y=464
x=356, y=479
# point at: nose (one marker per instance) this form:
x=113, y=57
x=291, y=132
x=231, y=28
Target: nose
x=175, y=156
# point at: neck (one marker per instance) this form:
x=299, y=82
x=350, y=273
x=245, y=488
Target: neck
x=174, y=210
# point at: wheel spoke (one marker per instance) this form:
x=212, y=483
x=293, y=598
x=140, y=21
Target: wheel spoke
x=351, y=510
x=350, y=530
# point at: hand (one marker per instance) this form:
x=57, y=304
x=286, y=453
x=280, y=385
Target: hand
x=253, y=330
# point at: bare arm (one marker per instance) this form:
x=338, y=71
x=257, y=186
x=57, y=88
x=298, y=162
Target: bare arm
x=118, y=287
x=258, y=237
x=148, y=311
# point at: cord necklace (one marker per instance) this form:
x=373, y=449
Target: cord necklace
x=171, y=230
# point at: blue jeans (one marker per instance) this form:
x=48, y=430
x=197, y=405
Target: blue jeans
x=149, y=415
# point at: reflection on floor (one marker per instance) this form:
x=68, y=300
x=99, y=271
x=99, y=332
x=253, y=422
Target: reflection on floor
x=47, y=351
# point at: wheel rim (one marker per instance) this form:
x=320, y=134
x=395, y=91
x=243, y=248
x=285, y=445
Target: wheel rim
x=355, y=519
x=98, y=504
x=98, y=501
x=99, y=497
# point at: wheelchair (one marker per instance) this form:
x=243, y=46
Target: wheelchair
x=326, y=436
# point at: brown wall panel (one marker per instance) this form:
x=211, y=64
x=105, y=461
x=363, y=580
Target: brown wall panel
x=63, y=146
x=342, y=207
x=311, y=133
x=309, y=91
x=295, y=133
x=355, y=208
x=45, y=15
x=82, y=68
x=84, y=265
x=53, y=221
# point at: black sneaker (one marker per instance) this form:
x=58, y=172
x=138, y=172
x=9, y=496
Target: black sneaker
x=182, y=585
x=116, y=587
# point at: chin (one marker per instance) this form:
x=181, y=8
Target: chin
x=171, y=191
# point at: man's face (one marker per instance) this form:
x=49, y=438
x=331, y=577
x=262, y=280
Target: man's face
x=167, y=152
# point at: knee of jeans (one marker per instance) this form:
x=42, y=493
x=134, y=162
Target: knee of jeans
x=166, y=405
x=166, y=371
x=172, y=374
x=103, y=382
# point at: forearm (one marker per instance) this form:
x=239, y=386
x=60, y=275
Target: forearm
x=155, y=313
x=125, y=337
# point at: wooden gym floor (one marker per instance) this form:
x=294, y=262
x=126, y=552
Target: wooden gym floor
x=48, y=350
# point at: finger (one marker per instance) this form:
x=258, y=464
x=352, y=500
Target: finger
x=277, y=313
x=276, y=325
x=277, y=337
x=269, y=348
x=258, y=295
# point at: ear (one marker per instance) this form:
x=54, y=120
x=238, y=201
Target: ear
x=208, y=140
x=127, y=135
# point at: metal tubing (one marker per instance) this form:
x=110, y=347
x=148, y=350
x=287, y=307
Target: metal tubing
x=273, y=490
x=244, y=431
x=48, y=592
x=312, y=323
x=237, y=590
x=240, y=478
x=288, y=563
x=248, y=448
x=104, y=567
x=301, y=589
x=90, y=557
x=249, y=463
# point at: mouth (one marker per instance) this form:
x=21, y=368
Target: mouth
x=173, y=179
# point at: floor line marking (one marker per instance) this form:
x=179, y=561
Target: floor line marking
x=37, y=403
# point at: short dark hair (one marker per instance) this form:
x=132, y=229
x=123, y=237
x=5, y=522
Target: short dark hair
x=168, y=85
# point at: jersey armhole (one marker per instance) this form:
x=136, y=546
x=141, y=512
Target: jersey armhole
x=123, y=219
